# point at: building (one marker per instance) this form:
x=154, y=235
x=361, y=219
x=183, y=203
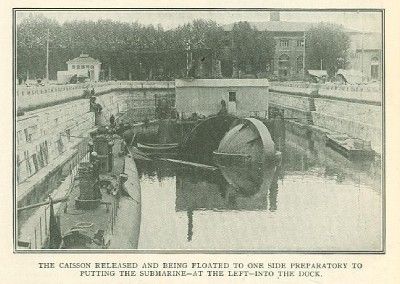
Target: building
x=366, y=55
x=242, y=97
x=289, y=45
x=289, y=57
x=87, y=63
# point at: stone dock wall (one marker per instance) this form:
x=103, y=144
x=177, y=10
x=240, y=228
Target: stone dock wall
x=53, y=129
x=55, y=120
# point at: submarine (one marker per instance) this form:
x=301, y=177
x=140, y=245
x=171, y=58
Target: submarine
x=102, y=208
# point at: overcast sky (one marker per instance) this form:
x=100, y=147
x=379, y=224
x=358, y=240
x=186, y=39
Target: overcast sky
x=363, y=21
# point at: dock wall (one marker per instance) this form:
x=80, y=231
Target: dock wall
x=29, y=98
x=48, y=137
x=352, y=110
x=56, y=119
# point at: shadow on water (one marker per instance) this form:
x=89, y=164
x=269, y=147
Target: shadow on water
x=234, y=188
x=237, y=195
x=238, y=187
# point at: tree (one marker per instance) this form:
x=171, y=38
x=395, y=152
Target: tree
x=31, y=45
x=251, y=49
x=266, y=50
x=129, y=50
x=326, y=47
x=202, y=41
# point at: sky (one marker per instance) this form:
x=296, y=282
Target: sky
x=362, y=21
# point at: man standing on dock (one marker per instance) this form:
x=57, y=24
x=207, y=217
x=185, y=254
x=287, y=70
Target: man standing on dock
x=223, y=110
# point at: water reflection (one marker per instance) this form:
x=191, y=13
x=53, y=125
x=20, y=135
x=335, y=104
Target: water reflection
x=320, y=191
x=234, y=189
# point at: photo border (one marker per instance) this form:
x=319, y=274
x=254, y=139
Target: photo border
x=193, y=251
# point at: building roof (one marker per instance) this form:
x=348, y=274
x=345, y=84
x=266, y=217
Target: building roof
x=282, y=26
x=179, y=83
x=318, y=73
x=83, y=59
x=275, y=26
x=351, y=76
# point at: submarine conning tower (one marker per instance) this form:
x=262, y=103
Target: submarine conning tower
x=103, y=146
x=100, y=162
x=89, y=190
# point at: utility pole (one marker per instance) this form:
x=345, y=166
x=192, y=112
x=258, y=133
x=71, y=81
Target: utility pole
x=187, y=57
x=362, y=49
x=304, y=54
x=321, y=64
x=362, y=44
x=47, y=55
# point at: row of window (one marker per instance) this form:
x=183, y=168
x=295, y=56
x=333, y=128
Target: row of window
x=284, y=64
x=286, y=42
x=284, y=60
x=82, y=66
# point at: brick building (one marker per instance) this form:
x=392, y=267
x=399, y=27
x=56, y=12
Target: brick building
x=289, y=44
x=366, y=55
x=289, y=58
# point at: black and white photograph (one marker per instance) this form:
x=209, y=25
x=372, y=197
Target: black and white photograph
x=199, y=130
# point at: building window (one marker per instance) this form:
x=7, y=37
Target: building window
x=375, y=61
x=73, y=66
x=374, y=68
x=283, y=64
x=299, y=64
x=78, y=67
x=284, y=43
x=82, y=66
x=232, y=96
x=300, y=42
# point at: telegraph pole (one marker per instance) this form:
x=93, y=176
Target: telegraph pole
x=362, y=44
x=187, y=57
x=47, y=55
x=362, y=49
x=304, y=53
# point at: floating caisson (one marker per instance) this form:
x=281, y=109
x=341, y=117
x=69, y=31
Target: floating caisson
x=247, y=142
x=246, y=156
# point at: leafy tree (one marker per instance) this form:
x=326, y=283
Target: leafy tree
x=31, y=45
x=251, y=49
x=132, y=50
x=328, y=44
